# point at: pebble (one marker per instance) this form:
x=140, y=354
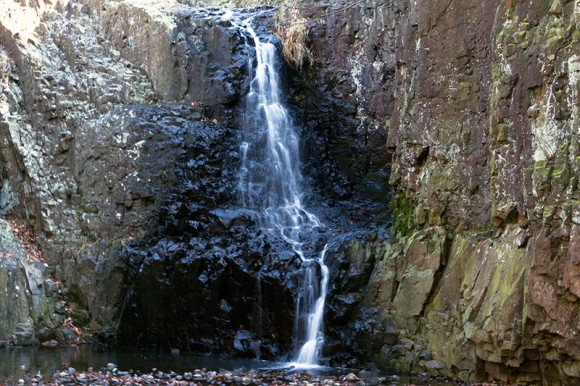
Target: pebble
x=238, y=377
x=351, y=378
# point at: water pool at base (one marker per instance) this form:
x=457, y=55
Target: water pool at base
x=18, y=362
x=26, y=362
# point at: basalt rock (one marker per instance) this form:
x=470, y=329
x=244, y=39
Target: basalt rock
x=118, y=127
x=195, y=279
x=23, y=300
x=346, y=96
x=210, y=282
x=482, y=108
x=90, y=146
x=120, y=146
x=32, y=306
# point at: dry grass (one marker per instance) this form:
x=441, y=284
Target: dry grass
x=291, y=27
x=292, y=30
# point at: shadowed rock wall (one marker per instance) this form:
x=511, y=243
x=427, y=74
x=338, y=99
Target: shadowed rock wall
x=479, y=103
x=348, y=94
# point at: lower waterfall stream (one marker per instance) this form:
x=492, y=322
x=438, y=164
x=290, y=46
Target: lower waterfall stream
x=270, y=185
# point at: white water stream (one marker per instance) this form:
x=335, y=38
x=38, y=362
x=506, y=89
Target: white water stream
x=270, y=184
x=309, y=352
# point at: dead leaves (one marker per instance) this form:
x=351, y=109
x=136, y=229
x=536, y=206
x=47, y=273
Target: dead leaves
x=26, y=237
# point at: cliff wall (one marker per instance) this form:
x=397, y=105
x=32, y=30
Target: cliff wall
x=79, y=166
x=478, y=102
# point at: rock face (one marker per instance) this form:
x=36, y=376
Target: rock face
x=89, y=154
x=24, y=300
x=205, y=279
x=480, y=101
x=120, y=147
x=347, y=96
x=64, y=154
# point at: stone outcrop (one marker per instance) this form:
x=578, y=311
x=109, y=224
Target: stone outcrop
x=347, y=96
x=66, y=159
x=24, y=300
x=480, y=105
x=120, y=136
x=79, y=164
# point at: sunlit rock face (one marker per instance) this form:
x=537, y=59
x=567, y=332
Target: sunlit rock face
x=90, y=146
x=66, y=159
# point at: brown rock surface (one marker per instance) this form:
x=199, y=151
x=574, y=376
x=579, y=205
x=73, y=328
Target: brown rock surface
x=481, y=103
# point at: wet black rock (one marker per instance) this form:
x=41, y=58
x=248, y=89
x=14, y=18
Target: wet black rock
x=209, y=283
x=205, y=271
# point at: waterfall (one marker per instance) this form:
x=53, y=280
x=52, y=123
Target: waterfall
x=269, y=183
x=314, y=338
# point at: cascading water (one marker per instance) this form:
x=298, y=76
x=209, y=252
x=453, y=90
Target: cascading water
x=315, y=313
x=270, y=184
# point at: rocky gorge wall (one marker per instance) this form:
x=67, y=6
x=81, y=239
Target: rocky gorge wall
x=104, y=118
x=479, y=103
x=121, y=132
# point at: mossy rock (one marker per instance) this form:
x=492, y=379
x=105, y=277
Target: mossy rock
x=404, y=211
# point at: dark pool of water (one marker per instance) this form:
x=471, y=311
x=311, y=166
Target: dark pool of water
x=20, y=362
x=16, y=363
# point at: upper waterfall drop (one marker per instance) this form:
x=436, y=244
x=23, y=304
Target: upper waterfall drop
x=270, y=183
x=270, y=174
